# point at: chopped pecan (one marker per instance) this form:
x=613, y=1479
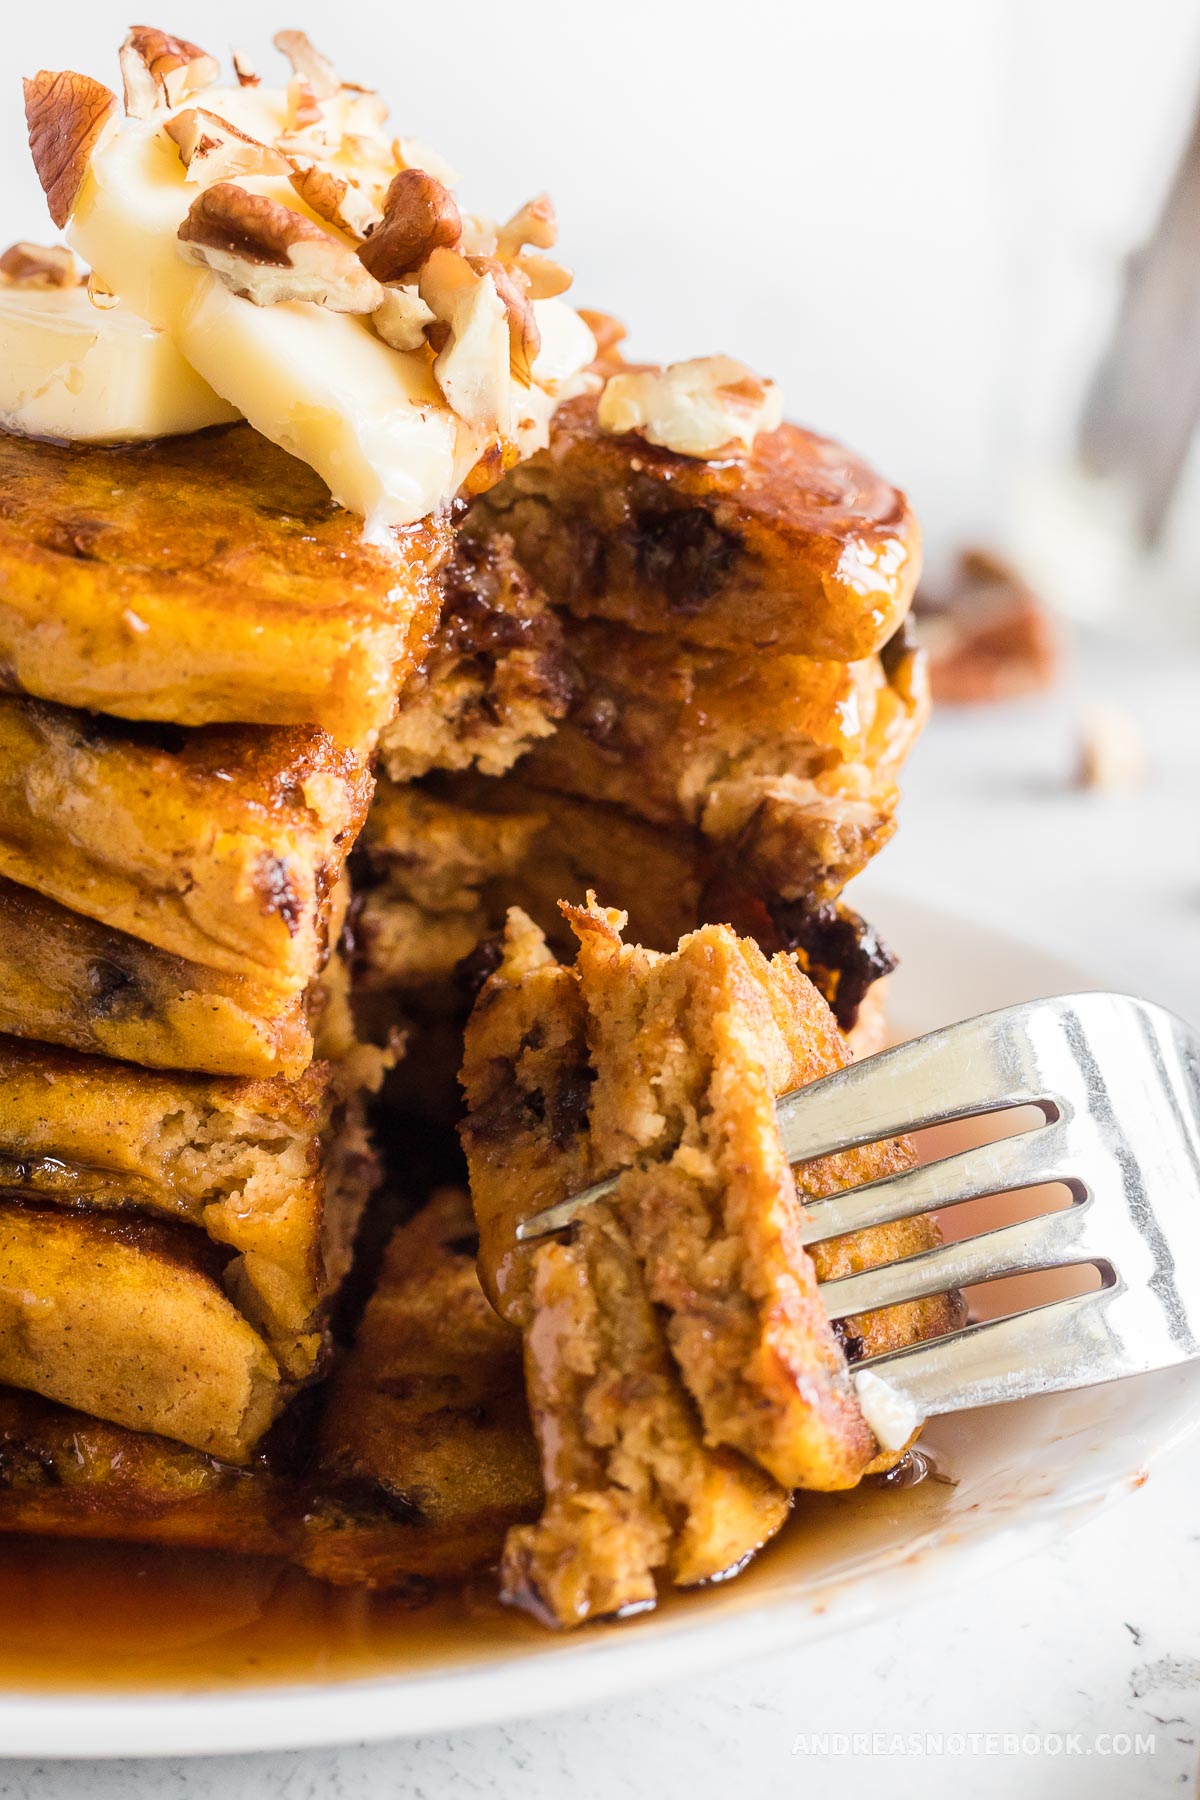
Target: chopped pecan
x=702, y=408
x=534, y=224
x=333, y=197
x=159, y=70
x=472, y=367
x=267, y=253
x=67, y=115
x=39, y=266
x=546, y=279
x=211, y=149
x=419, y=216
x=308, y=65
x=524, y=338
x=401, y=318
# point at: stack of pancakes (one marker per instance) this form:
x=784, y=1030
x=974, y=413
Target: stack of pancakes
x=199, y=651
x=267, y=793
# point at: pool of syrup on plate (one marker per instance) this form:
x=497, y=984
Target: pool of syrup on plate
x=79, y=1616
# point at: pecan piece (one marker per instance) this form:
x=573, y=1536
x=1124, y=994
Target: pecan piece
x=524, y=338
x=419, y=217
x=534, y=224
x=159, y=70
x=39, y=266
x=401, y=318
x=67, y=115
x=333, y=197
x=211, y=149
x=472, y=366
x=267, y=253
x=308, y=65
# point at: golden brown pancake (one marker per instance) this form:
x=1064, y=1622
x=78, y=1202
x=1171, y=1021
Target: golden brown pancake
x=690, y=1287
x=422, y=1460
x=797, y=545
x=787, y=766
x=269, y=1168
x=68, y=980
x=223, y=845
x=127, y=1319
x=204, y=578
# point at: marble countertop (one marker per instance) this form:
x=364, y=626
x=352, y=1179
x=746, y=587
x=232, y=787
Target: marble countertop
x=1033, y=1678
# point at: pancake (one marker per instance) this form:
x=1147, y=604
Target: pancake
x=422, y=1458
x=201, y=579
x=272, y=1170
x=680, y=1320
x=223, y=845
x=127, y=1320
x=797, y=545
x=787, y=766
x=495, y=679
x=67, y=980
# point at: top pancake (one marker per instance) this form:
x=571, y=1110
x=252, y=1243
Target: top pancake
x=201, y=579
x=798, y=544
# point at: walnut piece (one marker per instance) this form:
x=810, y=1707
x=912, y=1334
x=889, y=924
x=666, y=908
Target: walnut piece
x=401, y=318
x=419, y=216
x=67, y=115
x=211, y=149
x=333, y=197
x=39, y=266
x=308, y=65
x=267, y=253
x=534, y=224
x=472, y=368
x=703, y=408
x=159, y=70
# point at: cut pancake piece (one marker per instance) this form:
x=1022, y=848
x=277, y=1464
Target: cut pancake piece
x=631, y=1485
x=273, y=1169
x=786, y=765
x=68, y=980
x=666, y=1067
x=204, y=578
x=223, y=845
x=796, y=544
x=495, y=678
x=127, y=1319
x=422, y=1458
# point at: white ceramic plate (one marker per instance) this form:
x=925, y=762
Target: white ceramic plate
x=1022, y=1475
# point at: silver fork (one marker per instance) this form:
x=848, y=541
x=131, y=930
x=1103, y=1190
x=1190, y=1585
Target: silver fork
x=1118, y=1083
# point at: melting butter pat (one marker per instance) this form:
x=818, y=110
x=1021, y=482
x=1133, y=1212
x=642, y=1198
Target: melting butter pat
x=71, y=370
x=892, y=1414
x=321, y=384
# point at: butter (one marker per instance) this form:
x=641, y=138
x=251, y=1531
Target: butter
x=892, y=1415
x=71, y=370
x=322, y=384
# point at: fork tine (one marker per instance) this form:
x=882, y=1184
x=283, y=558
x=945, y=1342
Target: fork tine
x=1051, y=1241
x=1066, y=1344
x=979, y=1066
x=1001, y=1168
